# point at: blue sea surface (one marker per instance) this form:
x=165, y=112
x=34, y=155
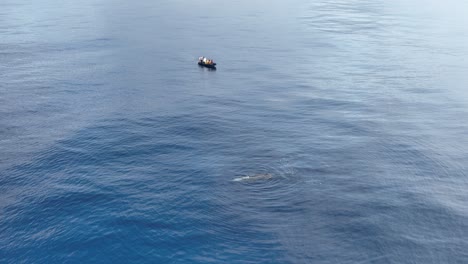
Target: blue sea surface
x=333, y=131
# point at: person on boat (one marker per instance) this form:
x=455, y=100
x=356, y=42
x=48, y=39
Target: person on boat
x=205, y=61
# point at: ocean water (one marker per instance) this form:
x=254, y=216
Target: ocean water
x=349, y=116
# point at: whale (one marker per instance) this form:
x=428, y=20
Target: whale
x=255, y=177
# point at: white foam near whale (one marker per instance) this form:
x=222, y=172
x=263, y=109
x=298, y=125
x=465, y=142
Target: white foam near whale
x=255, y=177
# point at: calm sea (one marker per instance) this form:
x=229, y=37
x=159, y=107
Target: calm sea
x=333, y=131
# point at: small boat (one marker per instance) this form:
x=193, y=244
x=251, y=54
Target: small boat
x=202, y=61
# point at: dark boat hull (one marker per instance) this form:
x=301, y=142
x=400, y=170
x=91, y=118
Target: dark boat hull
x=211, y=66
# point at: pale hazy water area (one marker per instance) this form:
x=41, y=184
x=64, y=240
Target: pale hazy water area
x=331, y=132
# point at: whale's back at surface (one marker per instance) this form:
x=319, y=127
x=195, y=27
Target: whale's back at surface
x=255, y=177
